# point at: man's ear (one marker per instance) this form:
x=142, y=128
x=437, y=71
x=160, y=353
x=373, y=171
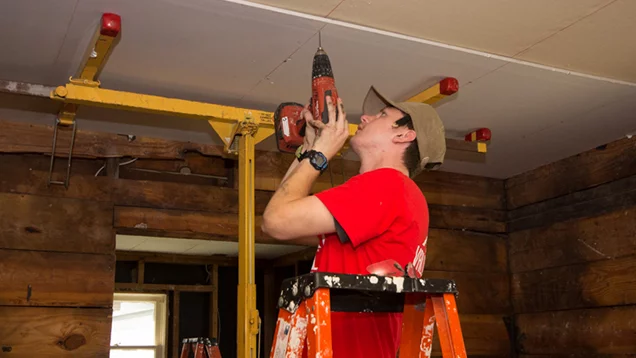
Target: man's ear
x=407, y=135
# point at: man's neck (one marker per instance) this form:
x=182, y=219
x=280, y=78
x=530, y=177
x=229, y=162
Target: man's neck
x=373, y=162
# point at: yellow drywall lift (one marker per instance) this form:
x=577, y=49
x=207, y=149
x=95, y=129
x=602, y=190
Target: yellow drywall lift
x=240, y=130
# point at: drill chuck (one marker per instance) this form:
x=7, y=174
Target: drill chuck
x=321, y=66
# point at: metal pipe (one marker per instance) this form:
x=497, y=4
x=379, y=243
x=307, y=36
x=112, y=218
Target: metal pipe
x=24, y=88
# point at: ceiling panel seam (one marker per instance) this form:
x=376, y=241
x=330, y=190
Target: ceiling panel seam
x=428, y=42
x=249, y=92
x=518, y=54
x=68, y=28
x=334, y=9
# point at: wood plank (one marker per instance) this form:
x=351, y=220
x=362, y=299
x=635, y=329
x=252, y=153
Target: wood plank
x=37, y=278
x=473, y=219
x=55, y=332
x=39, y=223
x=483, y=293
x=575, y=241
x=183, y=224
x=448, y=250
x=464, y=251
x=600, y=330
x=29, y=175
x=176, y=342
x=441, y=188
x=224, y=227
x=484, y=335
x=214, y=302
x=601, y=283
x=614, y=161
x=16, y=137
x=591, y=202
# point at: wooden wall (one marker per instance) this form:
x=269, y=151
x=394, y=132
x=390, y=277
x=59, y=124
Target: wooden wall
x=467, y=240
x=573, y=254
x=56, y=273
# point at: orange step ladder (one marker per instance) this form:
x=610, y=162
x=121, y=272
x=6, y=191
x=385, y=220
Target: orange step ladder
x=200, y=347
x=424, y=303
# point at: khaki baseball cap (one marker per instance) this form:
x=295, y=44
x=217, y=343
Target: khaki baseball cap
x=429, y=129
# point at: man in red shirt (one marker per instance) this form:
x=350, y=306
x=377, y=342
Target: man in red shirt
x=378, y=215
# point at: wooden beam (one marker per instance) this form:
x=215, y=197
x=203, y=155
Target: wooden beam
x=29, y=174
x=577, y=241
x=153, y=287
x=214, y=302
x=602, y=165
x=55, y=332
x=603, y=331
x=40, y=278
x=600, y=283
x=484, y=335
x=55, y=224
x=176, y=342
x=479, y=293
x=442, y=188
x=141, y=269
x=184, y=224
x=465, y=251
x=18, y=137
x=448, y=250
x=602, y=199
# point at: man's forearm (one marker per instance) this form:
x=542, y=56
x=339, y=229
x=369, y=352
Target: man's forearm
x=294, y=164
x=296, y=184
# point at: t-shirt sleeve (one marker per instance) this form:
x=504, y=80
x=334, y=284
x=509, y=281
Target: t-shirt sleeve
x=365, y=206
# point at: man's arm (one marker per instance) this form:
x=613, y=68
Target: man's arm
x=292, y=213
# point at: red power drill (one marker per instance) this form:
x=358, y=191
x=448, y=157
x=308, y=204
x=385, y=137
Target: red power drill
x=290, y=128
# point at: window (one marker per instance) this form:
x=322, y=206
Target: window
x=139, y=326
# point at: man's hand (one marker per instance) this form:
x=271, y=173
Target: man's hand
x=310, y=130
x=334, y=134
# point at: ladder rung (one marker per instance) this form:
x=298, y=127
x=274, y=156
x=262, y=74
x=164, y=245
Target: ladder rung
x=353, y=293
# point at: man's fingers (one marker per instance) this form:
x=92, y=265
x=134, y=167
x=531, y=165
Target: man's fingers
x=331, y=108
x=342, y=116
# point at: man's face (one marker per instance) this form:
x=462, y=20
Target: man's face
x=377, y=132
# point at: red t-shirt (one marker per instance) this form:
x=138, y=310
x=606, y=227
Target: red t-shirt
x=385, y=216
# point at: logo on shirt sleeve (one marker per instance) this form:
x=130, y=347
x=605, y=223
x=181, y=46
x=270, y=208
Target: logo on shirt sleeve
x=420, y=257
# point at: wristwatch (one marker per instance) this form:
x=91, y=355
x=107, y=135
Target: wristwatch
x=316, y=159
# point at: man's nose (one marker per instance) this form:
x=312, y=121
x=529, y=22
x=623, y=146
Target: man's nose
x=364, y=118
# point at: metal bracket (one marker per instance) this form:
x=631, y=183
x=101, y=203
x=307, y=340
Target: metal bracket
x=64, y=119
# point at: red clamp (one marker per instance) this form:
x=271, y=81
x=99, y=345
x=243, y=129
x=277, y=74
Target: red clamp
x=111, y=25
x=479, y=135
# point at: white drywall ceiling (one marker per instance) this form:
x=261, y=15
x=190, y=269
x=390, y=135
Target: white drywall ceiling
x=198, y=247
x=253, y=56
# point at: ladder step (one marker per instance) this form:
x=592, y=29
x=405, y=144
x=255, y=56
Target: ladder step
x=360, y=293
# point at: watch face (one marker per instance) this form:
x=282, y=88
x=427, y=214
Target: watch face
x=320, y=160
